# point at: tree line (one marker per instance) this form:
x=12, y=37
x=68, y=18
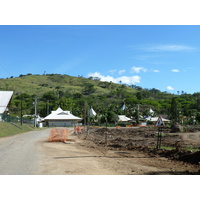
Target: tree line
x=181, y=108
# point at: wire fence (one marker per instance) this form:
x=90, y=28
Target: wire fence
x=15, y=119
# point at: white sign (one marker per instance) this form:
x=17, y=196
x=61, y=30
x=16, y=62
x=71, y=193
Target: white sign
x=160, y=122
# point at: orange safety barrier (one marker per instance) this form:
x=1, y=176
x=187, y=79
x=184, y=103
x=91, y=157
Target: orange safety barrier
x=129, y=125
x=78, y=129
x=58, y=135
x=140, y=125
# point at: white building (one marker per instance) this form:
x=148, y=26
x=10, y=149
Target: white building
x=60, y=118
x=5, y=97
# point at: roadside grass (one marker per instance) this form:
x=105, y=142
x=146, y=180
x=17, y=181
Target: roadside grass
x=7, y=129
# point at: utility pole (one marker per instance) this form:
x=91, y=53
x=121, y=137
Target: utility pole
x=21, y=111
x=138, y=113
x=106, y=134
x=85, y=115
x=35, y=118
x=47, y=107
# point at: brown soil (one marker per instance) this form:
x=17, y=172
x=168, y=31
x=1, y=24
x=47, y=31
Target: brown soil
x=132, y=150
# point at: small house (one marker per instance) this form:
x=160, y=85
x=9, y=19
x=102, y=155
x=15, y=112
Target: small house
x=61, y=118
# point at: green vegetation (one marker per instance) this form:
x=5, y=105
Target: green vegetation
x=192, y=149
x=167, y=148
x=7, y=129
x=78, y=94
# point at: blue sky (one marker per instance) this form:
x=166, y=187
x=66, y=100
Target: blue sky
x=154, y=56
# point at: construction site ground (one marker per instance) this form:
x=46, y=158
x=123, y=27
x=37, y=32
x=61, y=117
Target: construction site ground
x=132, y=151
x=84, y=154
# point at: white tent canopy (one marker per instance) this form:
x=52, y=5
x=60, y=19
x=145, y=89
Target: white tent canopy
x=151, y=111
x=123, y=118
x=123, y=107
x=155, y=119
x=92, y=112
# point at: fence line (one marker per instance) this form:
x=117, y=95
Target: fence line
x=14, y=119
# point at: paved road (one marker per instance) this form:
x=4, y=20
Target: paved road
x=19, y=154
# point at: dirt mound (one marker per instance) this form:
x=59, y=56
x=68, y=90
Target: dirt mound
x=184, y=156
x=193, y=158
x=194, y=128
x=176, y=128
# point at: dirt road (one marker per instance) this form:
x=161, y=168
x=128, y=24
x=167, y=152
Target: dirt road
x=30, y=153
x=19, y=154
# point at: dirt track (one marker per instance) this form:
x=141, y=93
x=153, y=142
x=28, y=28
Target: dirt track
x=30, y=153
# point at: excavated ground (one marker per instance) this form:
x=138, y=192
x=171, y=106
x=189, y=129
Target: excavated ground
x=181, y=148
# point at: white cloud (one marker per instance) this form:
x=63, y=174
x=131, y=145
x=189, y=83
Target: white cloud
x=124, y=79
x=121, y=71
x=156, y=71
x=169, y=48
x=129, y=79
x=170, y=88
x=175, y=70
x=112, y=71
x=138, y=69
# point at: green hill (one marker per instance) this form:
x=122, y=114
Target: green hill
x=78, y=94
x=69, y=92
x=39, y=84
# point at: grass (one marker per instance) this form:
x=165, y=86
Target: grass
x=40, y=84
x=7, y=129
x=192, y=149
x=169, y=148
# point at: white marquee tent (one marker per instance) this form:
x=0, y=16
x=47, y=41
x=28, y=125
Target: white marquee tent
x=123, y=118
x=92, y=112
x=155, y=119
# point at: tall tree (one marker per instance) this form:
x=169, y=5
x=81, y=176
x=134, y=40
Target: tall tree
x=174, y=112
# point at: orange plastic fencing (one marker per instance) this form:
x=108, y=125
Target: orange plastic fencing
x=58, y=135
x=78, y=129
x=129, y=125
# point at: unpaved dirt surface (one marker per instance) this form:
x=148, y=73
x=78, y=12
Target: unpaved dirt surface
x=31, y=153
x=19, y=154
x=71, y=158
x=138, y=161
